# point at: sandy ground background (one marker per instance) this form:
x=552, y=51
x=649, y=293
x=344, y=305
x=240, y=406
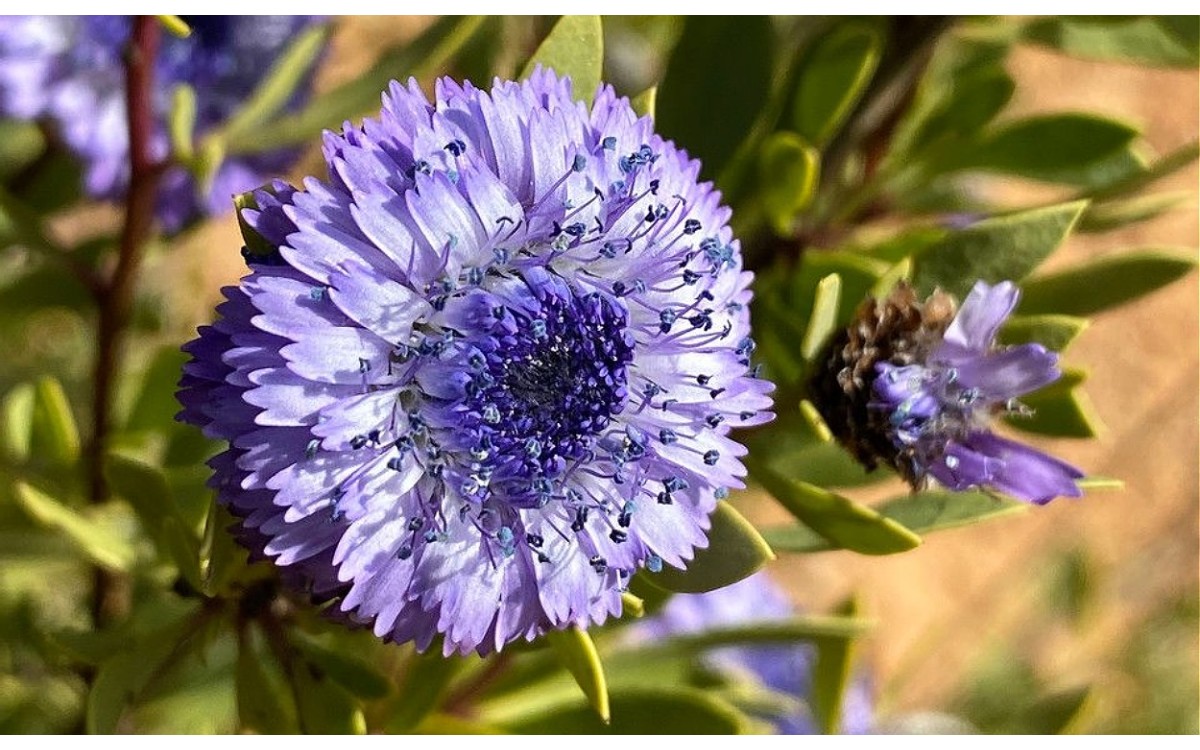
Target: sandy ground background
x=943, y=608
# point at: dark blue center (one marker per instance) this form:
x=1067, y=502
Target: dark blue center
x=548, y=374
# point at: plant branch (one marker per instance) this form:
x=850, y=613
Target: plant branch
x=116, y=300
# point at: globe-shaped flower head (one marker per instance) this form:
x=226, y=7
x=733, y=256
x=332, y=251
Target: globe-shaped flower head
x=490, y=370
x=917, y=385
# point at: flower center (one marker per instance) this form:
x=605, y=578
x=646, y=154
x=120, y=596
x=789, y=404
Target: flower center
x=548, y=374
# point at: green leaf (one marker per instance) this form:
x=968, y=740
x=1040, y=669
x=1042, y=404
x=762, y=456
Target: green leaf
x=1136, y=180
x=1004, y=248
x=974, y=99
x=788, y=170
x=156, y=393
x=1054, y=332
x=424, y=682
x=448, y=724
x=1147, y=40
x=323, y=706
x=632, y=606
x=181, y=123
x=122, y=677
x=1053, y=148
x=279, y=84
x=175, y=26
x=575, y=48
x=1052, y=713
x=21, y=143
x=427, y=54
x=1061, y=409
x=222, y=558
x=1103, y=217
x=902, y=271
x=844, y=522
x=817, y=430
x=347, y=670
x=265, y=704
x=831, y=676
x=16, y=421
x=799, y=628
x=718, y=79
x=55, y=434
x=833, y=74
x=96, y=542
x=823, y=320
x=646, y=102
x=578, y=654
x=920, y=512
x=858, y=273
x=735, y=550
x=640, y=711
x=1101, y=284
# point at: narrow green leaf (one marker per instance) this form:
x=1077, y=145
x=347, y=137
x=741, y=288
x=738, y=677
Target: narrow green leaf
x=788, y=170
x=858, y=273
x=1167, y=165
x=833, y=74
x=974, y=99
x=156, y=392
x=575, y=48
x=922, y=512
x=1101, y=284
x=21, y=143
x=936, y=510
x=265, y=704
x=646, y=102
x=121, y=677
x=181, y=123
x=799, y=628
x=994, y=250
x=424, y=683
x=823, y=321
x=818, y=431
x=831, y=675
x=1054, y=332
x=632, y=606
x=222, y=558
x=578, y=654
x=184, y=550
x=1052, y=713
x=279, y=85
x=1054, y=148
x=16, y=420
x=323, y=706
x=96, y=542
x=347, y=670
x=1059, y=410
x=55, y=433
x=700, y=78
x=735, y=550
x=1103, y=217
x=144, y=487
x=1147, y=40
x=175, y=26
x=901, y=271
x=427, y=54
x=447, y=724
x=844, y=522
x=639, y=711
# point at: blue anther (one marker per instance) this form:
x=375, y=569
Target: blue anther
x=711, y=458
x=580, y=163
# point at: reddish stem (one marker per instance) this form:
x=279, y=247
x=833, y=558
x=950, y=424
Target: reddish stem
x=116, y=299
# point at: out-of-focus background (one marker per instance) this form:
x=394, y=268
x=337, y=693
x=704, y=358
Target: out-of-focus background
x=1100, y=591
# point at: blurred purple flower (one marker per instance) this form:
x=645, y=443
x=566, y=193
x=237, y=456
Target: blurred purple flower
x=939, y=409
x=785, y=668
x=67, y=70
x=491, y=369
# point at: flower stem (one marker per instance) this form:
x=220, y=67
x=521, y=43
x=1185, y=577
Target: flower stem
x=116, y=299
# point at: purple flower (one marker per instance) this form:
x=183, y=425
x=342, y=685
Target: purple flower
x=68, y=70
x=939, y=409
x=490, y=371
x=785, y=668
